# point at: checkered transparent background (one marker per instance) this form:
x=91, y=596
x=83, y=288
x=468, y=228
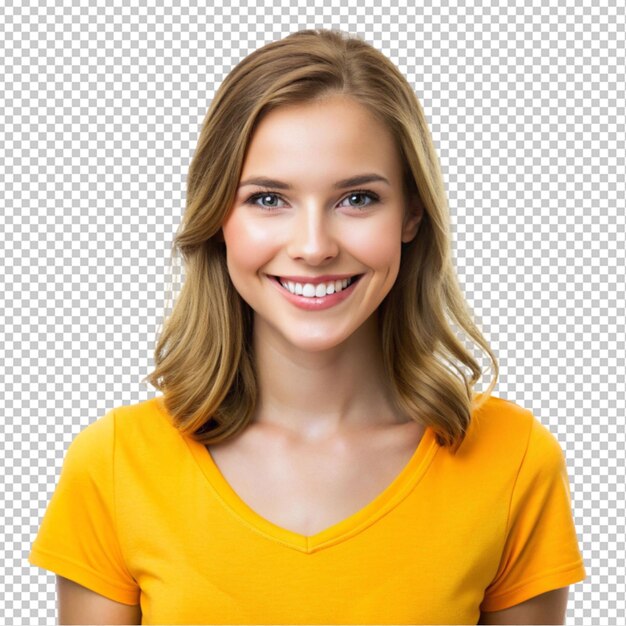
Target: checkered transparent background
x=101, y=109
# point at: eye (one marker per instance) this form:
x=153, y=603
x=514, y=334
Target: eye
x=269, y=194
x=264, y=194
x=364, y=194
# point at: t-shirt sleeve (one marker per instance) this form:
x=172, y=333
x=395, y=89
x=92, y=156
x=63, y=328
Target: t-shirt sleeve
x=78, y=536
x=541, y=550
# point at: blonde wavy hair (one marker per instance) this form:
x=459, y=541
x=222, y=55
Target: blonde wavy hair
x=204, y=364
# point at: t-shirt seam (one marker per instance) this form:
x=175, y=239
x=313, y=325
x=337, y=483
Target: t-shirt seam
x=389, y=505
x=520, y=586
x=84, y=568
x=517, y=475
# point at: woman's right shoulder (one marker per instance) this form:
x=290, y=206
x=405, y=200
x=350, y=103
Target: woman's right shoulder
x=98, y=437
x=133, y=431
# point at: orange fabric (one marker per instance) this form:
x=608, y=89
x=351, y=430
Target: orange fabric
x=142, y=514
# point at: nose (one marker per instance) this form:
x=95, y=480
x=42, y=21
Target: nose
x=311, y=238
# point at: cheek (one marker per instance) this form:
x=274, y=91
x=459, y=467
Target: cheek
x=377, y=245
x=248, y=244
x=382, y=251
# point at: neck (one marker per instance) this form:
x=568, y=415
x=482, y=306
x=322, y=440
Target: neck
x=318, y=395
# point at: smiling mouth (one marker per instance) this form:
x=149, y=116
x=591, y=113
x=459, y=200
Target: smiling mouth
x=305, y=297
x=303, y=286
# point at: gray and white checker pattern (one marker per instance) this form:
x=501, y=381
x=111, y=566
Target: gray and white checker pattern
x=101, y=108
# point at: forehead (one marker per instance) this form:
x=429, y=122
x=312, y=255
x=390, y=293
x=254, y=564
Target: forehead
x=321, y=140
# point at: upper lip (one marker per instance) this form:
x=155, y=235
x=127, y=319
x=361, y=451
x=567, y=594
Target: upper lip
x=316, y=280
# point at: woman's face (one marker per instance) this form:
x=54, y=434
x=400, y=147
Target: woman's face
x=306, y=226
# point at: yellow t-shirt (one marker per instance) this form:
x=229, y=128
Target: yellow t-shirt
x=142, y=514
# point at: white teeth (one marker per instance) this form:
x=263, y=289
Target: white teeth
x=309, y=290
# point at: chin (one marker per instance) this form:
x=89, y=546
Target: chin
x=318, y=346
x=318, y=342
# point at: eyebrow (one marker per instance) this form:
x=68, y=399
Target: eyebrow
x=361, y=179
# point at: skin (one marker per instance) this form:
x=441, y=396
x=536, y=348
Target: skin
x=320, y=372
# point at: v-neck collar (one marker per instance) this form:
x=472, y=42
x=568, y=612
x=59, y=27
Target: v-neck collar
x=390, y=497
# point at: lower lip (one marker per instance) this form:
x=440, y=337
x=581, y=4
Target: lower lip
x=316, y=304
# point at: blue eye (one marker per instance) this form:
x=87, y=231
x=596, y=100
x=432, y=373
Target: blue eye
x=265, y=194
x=270, y=194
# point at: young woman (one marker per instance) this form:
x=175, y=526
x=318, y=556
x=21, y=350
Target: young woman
x=319, y=454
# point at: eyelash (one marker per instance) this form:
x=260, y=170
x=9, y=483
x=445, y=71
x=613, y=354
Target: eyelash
x=361, y=192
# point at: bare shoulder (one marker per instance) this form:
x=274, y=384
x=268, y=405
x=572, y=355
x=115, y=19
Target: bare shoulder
x=79, y=605
x=546, y=608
